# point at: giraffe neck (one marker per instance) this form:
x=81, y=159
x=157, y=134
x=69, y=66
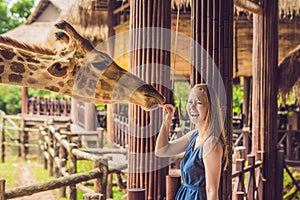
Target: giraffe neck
x=28, y=68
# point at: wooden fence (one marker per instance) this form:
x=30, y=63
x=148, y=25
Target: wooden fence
x=57, y=146
x=52, y=107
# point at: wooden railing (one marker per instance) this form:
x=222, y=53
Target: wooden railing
x=57, y=146
x=17, y=131
x=52, y=107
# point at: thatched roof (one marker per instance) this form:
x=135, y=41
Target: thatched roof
x=87, y=18
x=289, y=74
x=287, y=8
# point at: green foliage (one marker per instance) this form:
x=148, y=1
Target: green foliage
x=11, y=17
x=21, y=10
x=10, y=101
x=9, y=171
x=181, y=95
x=288, y=186
x=237, y=98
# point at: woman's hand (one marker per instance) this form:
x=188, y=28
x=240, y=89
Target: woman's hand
x=169, y=111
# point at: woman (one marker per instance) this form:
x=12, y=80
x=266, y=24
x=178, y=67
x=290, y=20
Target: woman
x=205, y=147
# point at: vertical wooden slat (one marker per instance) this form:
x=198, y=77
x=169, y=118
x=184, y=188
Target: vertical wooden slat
x=149, y=13
x=212, y=24
x=270, y=89
x=251, y=185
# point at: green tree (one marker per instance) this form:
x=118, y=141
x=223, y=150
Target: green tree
x=21, y=10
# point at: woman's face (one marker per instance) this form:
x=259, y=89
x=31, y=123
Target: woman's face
x=197, y=106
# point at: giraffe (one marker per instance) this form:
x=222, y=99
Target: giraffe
x=78, y=70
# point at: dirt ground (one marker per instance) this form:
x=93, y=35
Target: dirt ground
x=26, y=178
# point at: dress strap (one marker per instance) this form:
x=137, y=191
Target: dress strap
x=192, y=187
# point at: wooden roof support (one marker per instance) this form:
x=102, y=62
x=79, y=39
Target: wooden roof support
x=144, y=169
x=249, y=6
x=264, y=106
x=269, y=97
x=212, y=28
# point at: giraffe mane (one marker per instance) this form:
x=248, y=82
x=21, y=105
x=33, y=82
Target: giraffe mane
x=28, y=47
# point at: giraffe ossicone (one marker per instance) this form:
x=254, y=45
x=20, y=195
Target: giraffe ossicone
x=79, y=70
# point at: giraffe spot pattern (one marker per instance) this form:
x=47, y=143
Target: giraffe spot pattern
x=92, y=84
x=15, y=78
x=90, y=92
x=20, y=59
x=32, y=67
x=70, y=82
x=82, y=82
x=32, y=60
x=32, y=81
x=105, y=86
x=1, y=60
x=52, y=88
x=17, y=67
x=61, y=84
x=7, y=55
x=2, y=69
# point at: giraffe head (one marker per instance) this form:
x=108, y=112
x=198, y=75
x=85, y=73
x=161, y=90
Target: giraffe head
x=95, y=77
x=79, y=70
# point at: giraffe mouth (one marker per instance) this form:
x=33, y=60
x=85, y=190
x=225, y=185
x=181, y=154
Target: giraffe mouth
x=147, y=97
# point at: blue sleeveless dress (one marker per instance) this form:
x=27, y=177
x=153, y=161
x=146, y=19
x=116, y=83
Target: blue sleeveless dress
x=192, y=173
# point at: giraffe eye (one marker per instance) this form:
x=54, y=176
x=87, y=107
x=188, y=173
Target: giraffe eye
x=57, y=70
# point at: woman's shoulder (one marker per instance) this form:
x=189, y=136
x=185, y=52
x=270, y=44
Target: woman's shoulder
x=212, y=143
x=191, y=134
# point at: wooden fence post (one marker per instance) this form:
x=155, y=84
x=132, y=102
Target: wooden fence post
x=109, y=185
x=100, y=137
x=251, y=185
x=63, y=161
x=136, y=194
x=50, y=148
x=56, y=146
x=172, y=184
x=2, y=140
x=100, y=185
x=238, y=191
x=2, y=189
x=23, y=137
x=280, y=167
x=72, y=170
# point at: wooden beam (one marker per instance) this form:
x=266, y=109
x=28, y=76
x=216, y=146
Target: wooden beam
x=53, y=184
x=249, y=6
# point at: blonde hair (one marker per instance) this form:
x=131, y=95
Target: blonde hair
x=214, y=123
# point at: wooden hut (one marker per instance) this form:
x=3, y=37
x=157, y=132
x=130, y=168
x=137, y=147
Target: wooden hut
x=212, y=27
x=255, y=46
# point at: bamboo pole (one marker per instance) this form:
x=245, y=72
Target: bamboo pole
x=269, y=100
x=136, y=194
x=212, y=24
x=147, y=14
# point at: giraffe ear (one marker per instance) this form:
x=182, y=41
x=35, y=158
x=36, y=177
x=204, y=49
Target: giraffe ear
x=57, y=70
x=62, y=37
